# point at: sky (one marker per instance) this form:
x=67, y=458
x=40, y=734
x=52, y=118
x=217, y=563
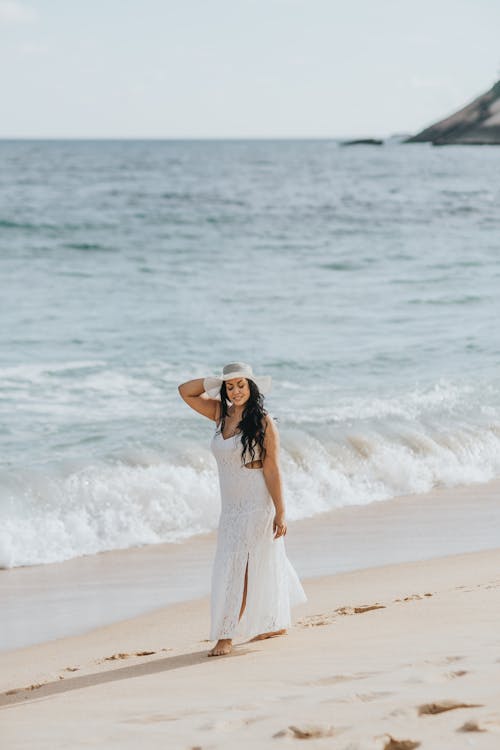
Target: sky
x=240, y=68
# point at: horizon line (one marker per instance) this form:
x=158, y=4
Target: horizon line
x=199, y=138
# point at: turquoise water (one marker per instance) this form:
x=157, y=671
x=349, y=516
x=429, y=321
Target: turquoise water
x=364, y=280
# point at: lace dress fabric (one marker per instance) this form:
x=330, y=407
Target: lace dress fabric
x=245, y=536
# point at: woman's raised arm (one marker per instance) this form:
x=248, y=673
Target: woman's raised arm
x=193, y=393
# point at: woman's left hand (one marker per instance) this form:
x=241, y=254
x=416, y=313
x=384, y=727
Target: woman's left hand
x=279, y=525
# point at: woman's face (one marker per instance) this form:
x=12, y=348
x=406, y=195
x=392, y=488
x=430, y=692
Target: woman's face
x=238, y=391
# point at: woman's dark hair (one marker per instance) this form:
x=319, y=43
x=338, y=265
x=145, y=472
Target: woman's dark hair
x=251, y=424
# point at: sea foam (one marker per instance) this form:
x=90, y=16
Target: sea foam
x=146, y=497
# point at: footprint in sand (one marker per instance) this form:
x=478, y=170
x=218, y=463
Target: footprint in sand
x=328, y=618
x=307, y=731
x=391, y=743
x=412, y=597
x=485, y=724
x=313, y=621
x=439, y=707
x=124, y=655
x=433, y=676
x=359, y=610
x=35, y=686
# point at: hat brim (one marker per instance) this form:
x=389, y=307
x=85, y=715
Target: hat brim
x=213, y=385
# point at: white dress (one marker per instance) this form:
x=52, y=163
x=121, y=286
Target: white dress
x=245, y=533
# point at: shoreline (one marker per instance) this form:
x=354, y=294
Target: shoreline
x=76, y=596
x=369, y=653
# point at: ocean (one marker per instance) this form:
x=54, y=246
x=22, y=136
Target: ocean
x=363, y=279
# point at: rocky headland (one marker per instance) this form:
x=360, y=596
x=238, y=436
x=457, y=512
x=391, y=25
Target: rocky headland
x=478, y=123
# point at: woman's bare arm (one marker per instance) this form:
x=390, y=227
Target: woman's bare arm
x=193, y=393
x=272, y=472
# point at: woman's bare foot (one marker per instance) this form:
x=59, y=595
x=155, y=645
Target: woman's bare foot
x=223, y=646
x=268, y=635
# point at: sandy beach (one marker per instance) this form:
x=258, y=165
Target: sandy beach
x=409, y=652
x=393, y=656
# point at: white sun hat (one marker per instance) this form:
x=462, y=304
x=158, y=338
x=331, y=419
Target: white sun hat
x=213, y=385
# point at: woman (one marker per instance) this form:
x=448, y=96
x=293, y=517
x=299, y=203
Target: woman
x=253, y=582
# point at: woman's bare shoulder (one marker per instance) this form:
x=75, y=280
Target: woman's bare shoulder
x=270, y=424
x=270, y=419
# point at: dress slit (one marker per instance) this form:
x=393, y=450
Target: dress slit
x=245, y=588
